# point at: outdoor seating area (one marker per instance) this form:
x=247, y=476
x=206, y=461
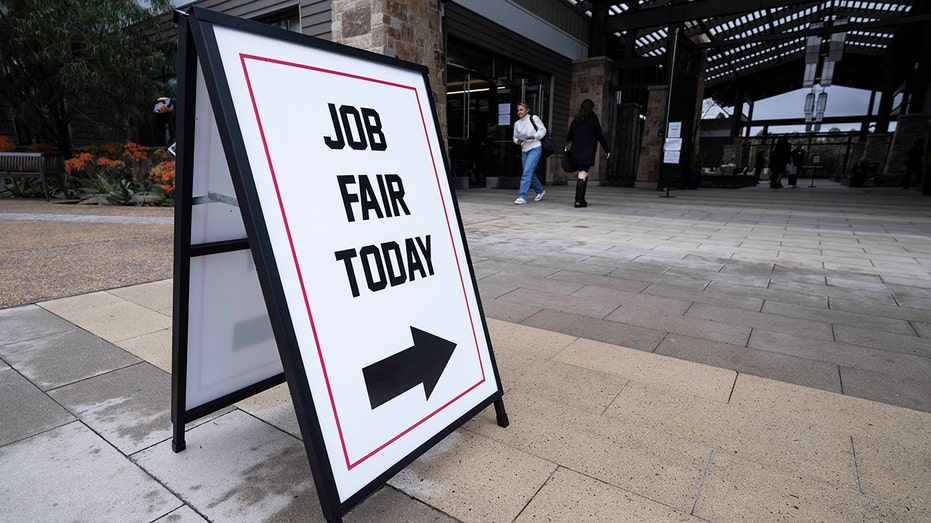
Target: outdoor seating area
x=23, y=165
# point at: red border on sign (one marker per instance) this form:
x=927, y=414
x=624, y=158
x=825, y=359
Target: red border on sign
x=349, y=463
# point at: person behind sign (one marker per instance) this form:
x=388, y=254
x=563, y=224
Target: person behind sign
x=797, y=162
x=759, y=163
x=529, y=140
x=778, y=160
x=165, y=110
x=584, y=136
x=164, y=104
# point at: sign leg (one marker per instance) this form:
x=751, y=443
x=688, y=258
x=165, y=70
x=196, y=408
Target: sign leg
x=500, y=414
x=177, y=442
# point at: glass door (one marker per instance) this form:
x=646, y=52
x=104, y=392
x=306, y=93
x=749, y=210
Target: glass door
x=483, y=89
x=481, y=116
x=502, y=156
x=482, y=93
x=468, y=99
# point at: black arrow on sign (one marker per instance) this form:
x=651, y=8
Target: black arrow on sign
x=398, y=373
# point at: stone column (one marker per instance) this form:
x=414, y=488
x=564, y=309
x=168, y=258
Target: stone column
x=593, y=78
x=651, y=148
x=875, y=150
x=908, y=128
x=411, y=30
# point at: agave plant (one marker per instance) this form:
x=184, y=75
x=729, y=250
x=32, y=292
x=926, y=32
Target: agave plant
x=113, y=192
x=20, y=187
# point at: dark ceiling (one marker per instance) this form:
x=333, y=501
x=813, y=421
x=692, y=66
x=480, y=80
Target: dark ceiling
x=759, y=46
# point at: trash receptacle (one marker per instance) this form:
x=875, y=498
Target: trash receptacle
x=694, y=180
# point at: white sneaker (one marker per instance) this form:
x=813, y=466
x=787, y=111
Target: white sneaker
x=539, y=196
x=520, y=201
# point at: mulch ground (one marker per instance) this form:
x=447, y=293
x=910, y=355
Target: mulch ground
x=44, y=259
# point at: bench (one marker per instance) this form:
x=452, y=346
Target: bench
x=728, y=177
x=24, y=165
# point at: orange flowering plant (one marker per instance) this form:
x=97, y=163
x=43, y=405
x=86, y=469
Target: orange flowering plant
x=78, y=165
x=162, y=173
x=124, y=174
x=6, y=144
x=87, y=165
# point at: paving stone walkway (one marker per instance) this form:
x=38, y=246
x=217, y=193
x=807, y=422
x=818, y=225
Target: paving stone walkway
x=749, y=355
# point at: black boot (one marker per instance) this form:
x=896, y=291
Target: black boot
x=580, y=193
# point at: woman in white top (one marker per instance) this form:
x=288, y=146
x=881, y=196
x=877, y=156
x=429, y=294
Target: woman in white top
x=529, y=140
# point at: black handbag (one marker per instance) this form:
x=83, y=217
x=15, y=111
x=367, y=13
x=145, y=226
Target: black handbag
x=566, y=159
x=567, y=164
x=547, y=141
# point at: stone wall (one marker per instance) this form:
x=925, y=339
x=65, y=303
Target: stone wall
x=908, y=129
x=651, y=148
x=876, y=149
x=625, y=156
x=593, y=78
x=410, y=30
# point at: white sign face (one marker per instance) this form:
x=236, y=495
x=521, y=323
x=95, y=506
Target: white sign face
x=230, y=341
x=348, y=168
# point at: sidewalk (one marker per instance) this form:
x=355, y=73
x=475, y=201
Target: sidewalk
x=750, y=355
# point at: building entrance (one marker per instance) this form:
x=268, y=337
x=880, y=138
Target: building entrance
x=481, y=105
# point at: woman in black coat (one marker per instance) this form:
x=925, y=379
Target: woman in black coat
x=585, y=134
x=778, y=160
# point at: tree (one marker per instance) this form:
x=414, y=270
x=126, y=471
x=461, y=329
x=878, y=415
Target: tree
x=98, y=59
x=708, y=105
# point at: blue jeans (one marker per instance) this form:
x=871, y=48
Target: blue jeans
x=529, y=160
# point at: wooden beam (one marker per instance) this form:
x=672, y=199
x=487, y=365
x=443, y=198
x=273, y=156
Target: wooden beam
x=679, y=11
x=888, y=22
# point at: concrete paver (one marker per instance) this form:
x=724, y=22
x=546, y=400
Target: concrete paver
x=785, y=496
x=70, y=473
x=721, y=356
x=87, y=355
x=125, y=406
x=577, y=497
x=444, y=478
x=237, y=469
x=26, y=410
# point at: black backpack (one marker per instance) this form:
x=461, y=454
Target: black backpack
x=546, y=141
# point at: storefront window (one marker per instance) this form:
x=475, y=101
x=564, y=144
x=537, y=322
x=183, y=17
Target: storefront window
x=288, y=19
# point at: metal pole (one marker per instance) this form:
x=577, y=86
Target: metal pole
x=671, y=63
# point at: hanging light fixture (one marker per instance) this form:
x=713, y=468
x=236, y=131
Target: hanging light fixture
x=817, y=100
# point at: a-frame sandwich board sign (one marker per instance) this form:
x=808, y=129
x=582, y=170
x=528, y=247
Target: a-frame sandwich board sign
x=349, y=235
